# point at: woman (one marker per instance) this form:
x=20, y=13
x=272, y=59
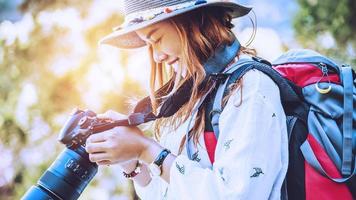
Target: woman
x=249, y=158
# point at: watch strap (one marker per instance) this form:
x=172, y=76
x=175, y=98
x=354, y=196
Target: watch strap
x=161, y=156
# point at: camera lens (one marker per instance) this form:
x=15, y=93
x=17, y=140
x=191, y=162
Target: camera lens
x=66, y=178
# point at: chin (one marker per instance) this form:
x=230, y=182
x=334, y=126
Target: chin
x=175, y=67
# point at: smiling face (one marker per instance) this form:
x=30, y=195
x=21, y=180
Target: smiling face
x=164, y=40
x=191, y=38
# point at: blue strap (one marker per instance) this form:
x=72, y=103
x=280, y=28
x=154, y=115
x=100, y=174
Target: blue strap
x=214, y=65
x=310, y=157
x=291, y=121
x=194, y=112
x=328, y=137
x=347, y=120
x=222, y=57
x=235, y=72
x=217, y=108
x=244, y=65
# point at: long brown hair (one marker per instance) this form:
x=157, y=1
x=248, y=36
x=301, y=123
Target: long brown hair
x=201, y=32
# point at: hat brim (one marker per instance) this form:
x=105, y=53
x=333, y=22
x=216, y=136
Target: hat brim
x=126, y=38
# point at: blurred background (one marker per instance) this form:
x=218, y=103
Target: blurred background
x=50, y=63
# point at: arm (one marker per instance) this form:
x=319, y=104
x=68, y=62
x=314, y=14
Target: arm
x=256, y=146
x=143, y=178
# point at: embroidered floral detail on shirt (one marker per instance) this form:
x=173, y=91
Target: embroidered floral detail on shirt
x=195, y=156
x=227, y=144
x=257, y=173
x=165, y=193
x=180, y=168
x=274, y=115
x=221, y=172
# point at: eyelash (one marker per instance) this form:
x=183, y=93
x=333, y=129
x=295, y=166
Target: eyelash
x=158, y=40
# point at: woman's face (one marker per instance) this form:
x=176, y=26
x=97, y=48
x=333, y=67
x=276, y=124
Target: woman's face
x=165, y=42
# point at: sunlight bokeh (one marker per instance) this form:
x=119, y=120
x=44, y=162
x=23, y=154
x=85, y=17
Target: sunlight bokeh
x=63, y=67
x=50, y=63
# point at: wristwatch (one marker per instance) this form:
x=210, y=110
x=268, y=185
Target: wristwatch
x=156, y=166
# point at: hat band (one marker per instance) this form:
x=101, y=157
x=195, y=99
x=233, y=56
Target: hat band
x=141, y=16
x=132, y=6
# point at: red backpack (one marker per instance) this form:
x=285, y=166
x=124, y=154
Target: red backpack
x=318, y=97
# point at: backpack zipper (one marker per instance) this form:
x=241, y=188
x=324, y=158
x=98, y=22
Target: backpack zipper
x=325, y=71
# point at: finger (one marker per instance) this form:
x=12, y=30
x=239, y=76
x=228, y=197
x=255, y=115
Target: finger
x=107, y=115
x=97, y=147
x=102, y=116
x=98, y=137
x=110, y=114
x=98, y=157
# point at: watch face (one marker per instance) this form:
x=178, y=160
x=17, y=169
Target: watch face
x=154, y=169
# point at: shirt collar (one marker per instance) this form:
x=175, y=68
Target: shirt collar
x=222, y=57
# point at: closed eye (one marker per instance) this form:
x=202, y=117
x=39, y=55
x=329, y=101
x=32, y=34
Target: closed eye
x=153, y=41
x=158, y=40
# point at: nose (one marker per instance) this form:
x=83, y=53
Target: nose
x=159, y=56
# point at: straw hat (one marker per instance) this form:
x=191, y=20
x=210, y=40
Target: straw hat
x=142, y=13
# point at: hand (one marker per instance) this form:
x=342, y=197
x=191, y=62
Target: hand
x=116, y=145
x=128, y=166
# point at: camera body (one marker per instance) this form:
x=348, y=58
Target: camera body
x=72, y=170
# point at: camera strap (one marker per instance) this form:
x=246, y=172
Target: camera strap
x=213, y=67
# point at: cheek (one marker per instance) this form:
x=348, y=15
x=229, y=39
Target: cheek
x=171, y=48
x=178, y=50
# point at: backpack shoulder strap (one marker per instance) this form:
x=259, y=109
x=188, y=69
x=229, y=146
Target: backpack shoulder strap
x=347, y=80
x=235, y=73
x=289, y=97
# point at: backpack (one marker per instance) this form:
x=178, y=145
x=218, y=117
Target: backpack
x=318, y=97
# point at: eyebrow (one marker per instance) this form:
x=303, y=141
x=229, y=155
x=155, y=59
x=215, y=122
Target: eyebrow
x=149, y=34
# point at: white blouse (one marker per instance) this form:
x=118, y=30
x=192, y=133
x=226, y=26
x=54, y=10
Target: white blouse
x=251, y=156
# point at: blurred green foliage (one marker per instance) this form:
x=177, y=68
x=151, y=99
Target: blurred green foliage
x=318, y=19
x=30, y=62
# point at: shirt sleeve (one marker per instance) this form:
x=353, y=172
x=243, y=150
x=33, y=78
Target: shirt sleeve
x=157, y=187
x=151, y=191
x=251, y=153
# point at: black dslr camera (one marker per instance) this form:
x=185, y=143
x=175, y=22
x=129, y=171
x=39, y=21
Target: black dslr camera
x=72, y=171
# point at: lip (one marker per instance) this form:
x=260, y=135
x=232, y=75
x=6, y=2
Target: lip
x=173, y=61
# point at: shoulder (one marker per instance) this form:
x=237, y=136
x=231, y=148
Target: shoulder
x=256, y=104
x=255, y=82
x=258, y=91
